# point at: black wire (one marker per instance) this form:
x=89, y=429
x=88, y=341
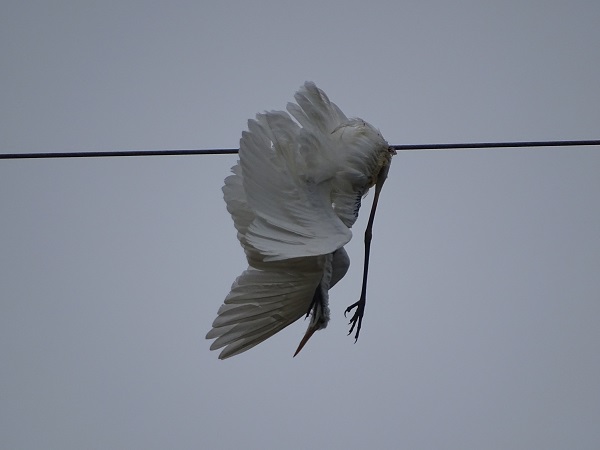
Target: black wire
x=475, y=145
x=231, y=151
x=102, y=154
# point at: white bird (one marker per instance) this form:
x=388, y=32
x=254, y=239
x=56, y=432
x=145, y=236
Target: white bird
x=293, y=196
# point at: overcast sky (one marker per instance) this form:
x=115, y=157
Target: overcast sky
x=483, y=318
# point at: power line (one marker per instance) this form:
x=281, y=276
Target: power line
x=102, y=154
x=231, y=151
x=479, y=145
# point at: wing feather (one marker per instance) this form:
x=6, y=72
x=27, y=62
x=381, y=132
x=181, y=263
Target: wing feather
x=288, y=191
x=260, y=304
x=314, y=111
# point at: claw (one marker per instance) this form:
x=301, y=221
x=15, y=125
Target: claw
x=350, y=308
x=356, y=319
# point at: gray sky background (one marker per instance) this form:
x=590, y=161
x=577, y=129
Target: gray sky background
x=483, y=318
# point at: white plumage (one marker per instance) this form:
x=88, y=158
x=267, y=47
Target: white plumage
x=293, y=196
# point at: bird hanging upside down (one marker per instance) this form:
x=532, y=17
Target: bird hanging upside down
x=293, y=196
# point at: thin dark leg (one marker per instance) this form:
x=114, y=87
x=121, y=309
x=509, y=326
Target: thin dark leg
x=356, y=320
x=316, y=300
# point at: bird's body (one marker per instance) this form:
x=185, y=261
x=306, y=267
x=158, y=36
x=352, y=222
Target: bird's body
x=293, y=197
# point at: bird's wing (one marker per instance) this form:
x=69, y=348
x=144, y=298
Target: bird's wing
x=315, y=112
x=287, y=173
x=237, y=204
x=260, y=304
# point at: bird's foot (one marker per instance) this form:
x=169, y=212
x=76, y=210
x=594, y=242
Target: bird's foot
x=317, y=302
x=356, y=319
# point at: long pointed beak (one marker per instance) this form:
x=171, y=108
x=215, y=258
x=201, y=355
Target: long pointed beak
x=309, y=333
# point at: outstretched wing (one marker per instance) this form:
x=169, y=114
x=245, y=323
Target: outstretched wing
x=285, y=182
x=260, y=304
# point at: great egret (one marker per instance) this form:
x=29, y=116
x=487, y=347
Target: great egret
x=293, y=196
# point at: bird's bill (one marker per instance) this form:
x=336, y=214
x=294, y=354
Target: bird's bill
x=309, y=333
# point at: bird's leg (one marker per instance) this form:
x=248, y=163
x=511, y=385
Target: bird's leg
x=317, y=302
x=356, y=319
